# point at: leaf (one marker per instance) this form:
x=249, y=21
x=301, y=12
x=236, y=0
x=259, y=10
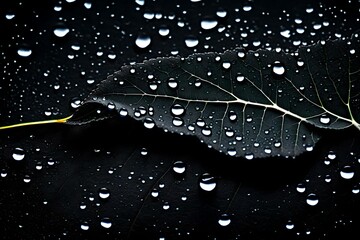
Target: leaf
x=255, y=104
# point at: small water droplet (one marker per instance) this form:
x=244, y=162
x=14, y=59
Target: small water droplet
x=143, y=151
x=200, y=122
x=241, y=53
x=347, y=172
x=123, y=112
x=106, y=222
x=231, y=152
x=207, y=182
x=224, y=220
x=18, y=154
x=208, y=23
x=179, y=167
x=312, y=199
x=166, y=206
x=153, y=85
x=104, y=193
x=249, y=156
x=143, y=41
x=177, y=109
x=27, y=179
x=221, y=13
x=278, y=68
x=154, y=193
x=247, y=8
x=111, y=106
x=232, y=115
x=75, y=102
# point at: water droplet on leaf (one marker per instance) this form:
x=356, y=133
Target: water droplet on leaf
x=18, y=154
x=207, y=182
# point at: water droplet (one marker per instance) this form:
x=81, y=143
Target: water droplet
x=231, y=152
x=277, y=144
x=177, y=121
x=143, y=41
x=61, y=31
x=191, y=41
x=200, y=122
x=153, y=85
x=232, y=115
x=104, y=193
x=247, y=8
x=267, y=150
x=347, y=172
x=84, y=226
x=208, y=24
x=289, y=225
x=149, y=123
x=300, y=188
x=123, y=112
x=75, y=102
x=24, y=51
x=206, y=131
x=18, y=154
x=285, y=33
x=164, y=31
x=155, y=193
x=166, y=206
x=27, y=179
x=278, y=68
x=226, y=65
x=249, y=156
x=241, y=53
x=240, y=78
x=87, y=5
x=143, y=151
x=179, y=167
x=111, y=106
x=221, y=13
x=105, y=222
x=324, y=120
x=177, y=109
x=207, y=182
x=172, y=83
x=224, y=220
x=312, y=199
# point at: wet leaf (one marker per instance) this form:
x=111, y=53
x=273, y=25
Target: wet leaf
x=251, y=104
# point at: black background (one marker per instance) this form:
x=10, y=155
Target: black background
x=259, y=195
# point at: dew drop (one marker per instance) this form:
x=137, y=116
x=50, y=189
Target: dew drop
x=164, y=31
x=226, y=65
x=177, y=109
x=347, y=172
x=224, y=220
x=331, y=155
x=172, y=83
x=123, y=112
x=208, y=24
x=232, y=116
x=300, y=188
x=179, y=167
x=278, y=68
x=75, y=102
x=18, y=154
x=231, y=152
x=177, y=121
x=155, y=193
x=200, y=122
x=143, y=151
x=312, y=199
x=240, y=78
x=207, y=182
x=191, y=41
x=249, y=156
x=241, y=53
x=27, y=179
x=206, y=131
x=104, y=193
x=166, y=206
x=111, y=106
x=61, y=31
x=105, y=222
x=149, y=123
x=143, y=41
x=84, y=226
x=153, y=85
x=24, y=52
x=324, y=120
x=221, y=13
x=289, y=225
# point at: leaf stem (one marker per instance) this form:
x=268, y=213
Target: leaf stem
x=62, y=120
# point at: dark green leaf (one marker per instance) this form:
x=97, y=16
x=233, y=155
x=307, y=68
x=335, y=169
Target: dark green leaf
x=249, y=104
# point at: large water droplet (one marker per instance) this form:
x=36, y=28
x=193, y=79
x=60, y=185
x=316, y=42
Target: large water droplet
x=172, y=83
x=164, y=31
x=325, y=119
x=206, y=131
x=18, y=154
x=347, y=172
x=289, y=225
x=208, y=24
x=300, y=188
x=61, y=31
x=143, y=41
x=179, y=167
x=207, y=182
x=104, y=193
x=312, y=199
x=106, y=222
x=278, y=68
x=149, y=123
x=177, y=121
x=224, y=220
x=249, y=156
x=191, y=41
x=177, y=109
x=24, y=51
